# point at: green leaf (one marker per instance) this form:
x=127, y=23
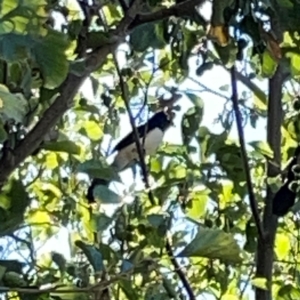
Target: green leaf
x=2, y=271
x=50, y=55
x=59, y=260
x=38, y=216
x=288, y=291
x=192, y=119
x=213, y=244
x=295, y=64
x=269, y=65
x=98, y=169
x=92, y=254
x=224, y=88
x=172, y=150
x=197, y=204
x=3, y=133
x=282, y=246
x=12, y=106
x=101, y=221
x=62, y=146
x=93, y=130
x=106, y=196
x=157, y=220
x=260, y=282
x=262, y=148
x=146, y=36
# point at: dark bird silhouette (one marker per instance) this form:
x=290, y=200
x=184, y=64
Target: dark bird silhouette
x=151, y=135
x=285, y=197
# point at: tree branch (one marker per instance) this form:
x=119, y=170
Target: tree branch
x=178, y=270
x=265, y=248
x=12, y=159
x=179, y=10
x=253, y=203
x=168, y=246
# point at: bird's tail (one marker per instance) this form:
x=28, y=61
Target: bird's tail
x=122, y=161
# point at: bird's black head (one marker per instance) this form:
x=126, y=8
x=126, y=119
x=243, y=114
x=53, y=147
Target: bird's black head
x=162, y=120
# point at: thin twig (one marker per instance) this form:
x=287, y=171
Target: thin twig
x=179, y=271
x=168, y=247
x=253, y=203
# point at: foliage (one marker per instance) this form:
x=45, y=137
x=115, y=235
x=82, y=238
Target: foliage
x=54, y=139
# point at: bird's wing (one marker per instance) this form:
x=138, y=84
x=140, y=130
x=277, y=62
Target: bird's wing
x=130, y=139
x=129, y=154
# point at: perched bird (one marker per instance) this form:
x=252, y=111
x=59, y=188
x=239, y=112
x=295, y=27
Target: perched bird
x=285, y=197
x=151, y=136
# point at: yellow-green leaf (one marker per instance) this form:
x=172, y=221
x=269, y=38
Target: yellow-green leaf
x=93, y=130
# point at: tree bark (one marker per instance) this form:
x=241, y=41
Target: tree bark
x=265, y=247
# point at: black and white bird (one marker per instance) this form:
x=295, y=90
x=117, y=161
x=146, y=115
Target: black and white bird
x=285, y=197
x=151, y=135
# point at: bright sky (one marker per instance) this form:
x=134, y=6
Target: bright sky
x=213, y=106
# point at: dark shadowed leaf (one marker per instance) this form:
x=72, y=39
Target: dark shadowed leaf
x=98, y=168
x=102, y=221
x=146, y=36
x=62, y=146
x=92, y=254
x=59, y=260
x=106, y=196
x=50, y=55
x=262, y=148
x=213, y=244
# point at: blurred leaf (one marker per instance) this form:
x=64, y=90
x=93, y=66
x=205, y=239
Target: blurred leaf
x=197, y=204
x=106, y=196
x=62, y=146
x=2, y=271
x=172, y=150
x=98, y=169
x=3, y=133
x=260, y=283
x=51, y=57
x=102, y=221
x=38, y=216
x=51, y=161
x=190, y=123
x=92, y=254
x=13, y=106
x=295, y=63
x=269, y=65
x=288, y=291
x=213, y=244
x=146, y=36
x=93, y=130
x=282, y=246
x=59, y=260
x=263, y=148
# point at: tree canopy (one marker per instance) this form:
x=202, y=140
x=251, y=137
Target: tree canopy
x=195, y=220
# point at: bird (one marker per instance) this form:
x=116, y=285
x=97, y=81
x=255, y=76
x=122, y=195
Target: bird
x=150, y=135
x=285, y=197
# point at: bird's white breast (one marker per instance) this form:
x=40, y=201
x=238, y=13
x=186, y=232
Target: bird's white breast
x=152, y=141
x=149, y=144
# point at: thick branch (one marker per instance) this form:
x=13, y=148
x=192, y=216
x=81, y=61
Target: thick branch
x=179, y=10
x=265, y=249
x=252, y=199
x=12, y=159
